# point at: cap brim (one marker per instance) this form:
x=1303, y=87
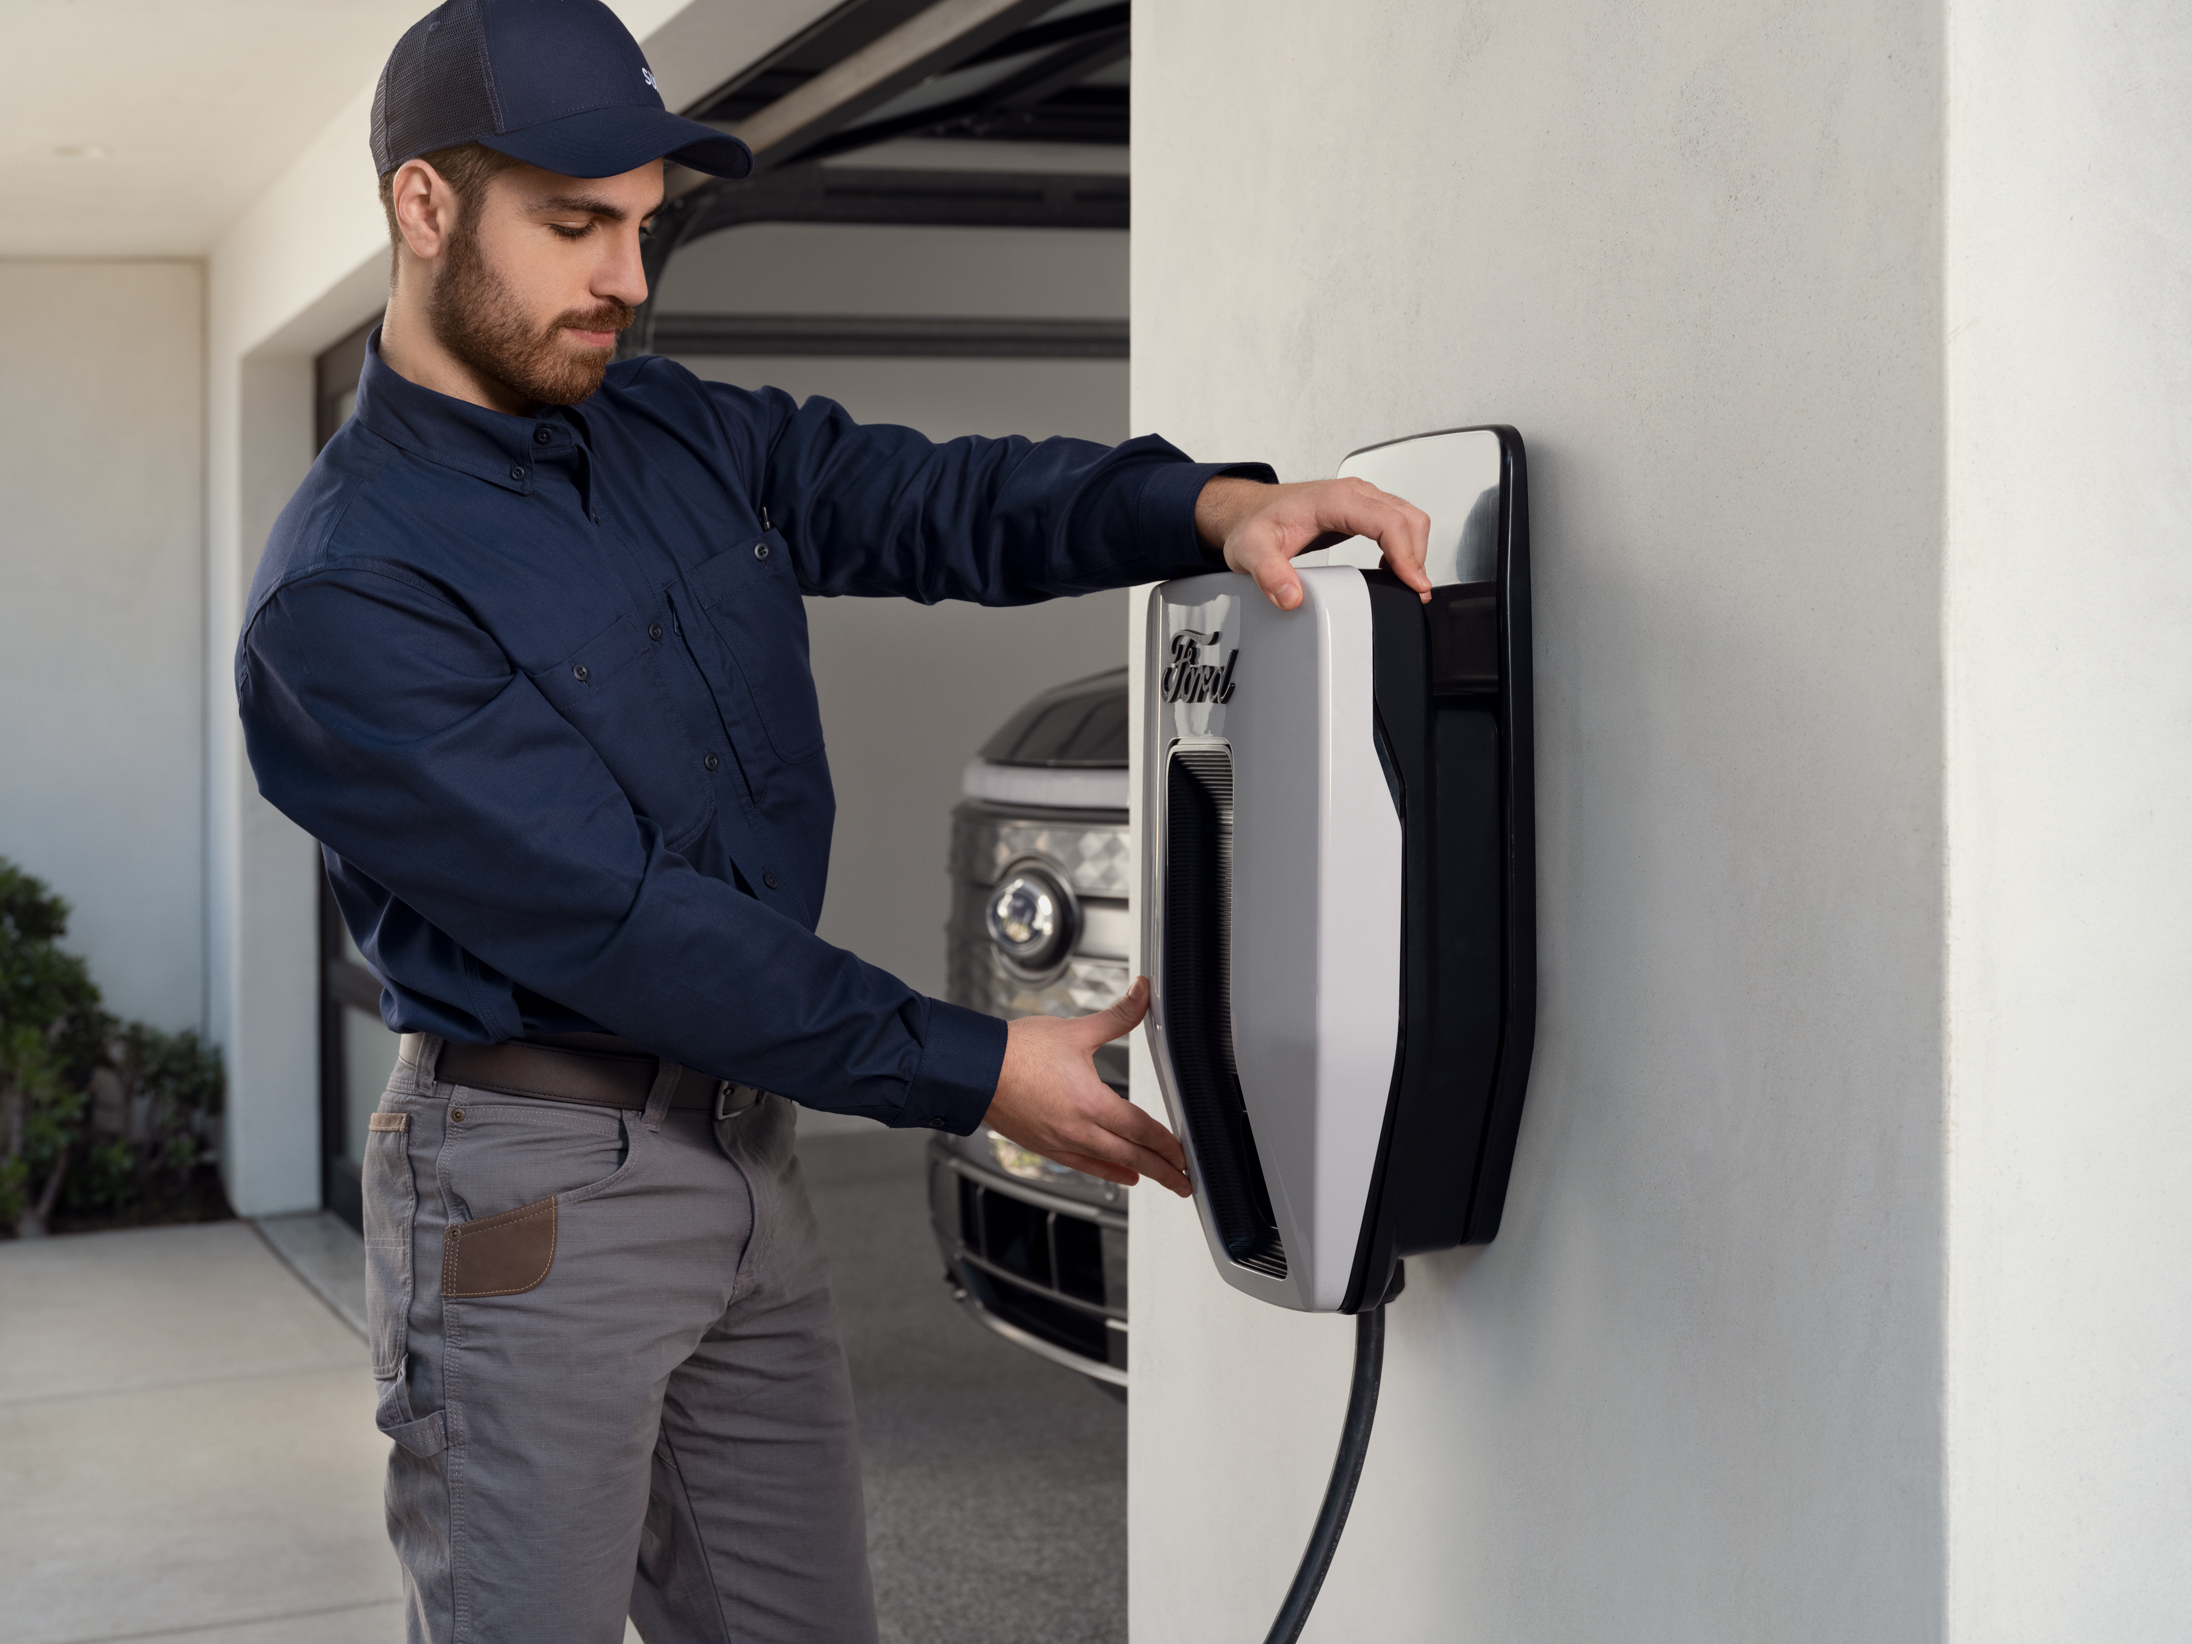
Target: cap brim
x=607, y=142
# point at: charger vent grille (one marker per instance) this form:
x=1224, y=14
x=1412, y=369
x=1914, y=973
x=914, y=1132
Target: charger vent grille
x=1198, y=974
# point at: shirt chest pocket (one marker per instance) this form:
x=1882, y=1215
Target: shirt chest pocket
x=752, y=602
x=612, y=691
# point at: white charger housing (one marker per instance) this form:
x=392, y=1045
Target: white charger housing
x=1280, y=774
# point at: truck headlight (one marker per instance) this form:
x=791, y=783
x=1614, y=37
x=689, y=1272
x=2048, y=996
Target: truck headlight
x=1031, y=917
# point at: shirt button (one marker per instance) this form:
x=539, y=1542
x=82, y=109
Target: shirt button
x=517, y=471
x=578, y=672
x=654, y=630
x=769, y=879
x=761, y=550
x=597, y=516
x=541, y=436
x=711, y=762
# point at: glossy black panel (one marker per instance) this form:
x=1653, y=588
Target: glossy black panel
x=1198, y=969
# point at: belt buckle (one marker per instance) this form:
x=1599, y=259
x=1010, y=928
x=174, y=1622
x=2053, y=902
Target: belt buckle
x=724, y=1090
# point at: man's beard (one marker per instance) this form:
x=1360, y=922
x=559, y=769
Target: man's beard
x=479, y=319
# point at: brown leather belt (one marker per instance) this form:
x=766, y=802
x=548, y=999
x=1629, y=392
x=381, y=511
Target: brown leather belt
x=594, y=1068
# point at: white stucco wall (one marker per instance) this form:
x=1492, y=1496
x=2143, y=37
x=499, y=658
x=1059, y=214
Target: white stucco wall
x=1693, y=1391
x=2070, y=807
x=101, y=464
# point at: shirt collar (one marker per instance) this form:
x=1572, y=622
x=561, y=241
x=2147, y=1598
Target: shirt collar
x=489, y=445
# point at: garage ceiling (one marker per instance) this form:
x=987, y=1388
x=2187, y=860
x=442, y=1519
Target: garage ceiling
x=142, y=128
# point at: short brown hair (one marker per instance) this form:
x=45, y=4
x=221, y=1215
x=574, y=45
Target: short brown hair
x=467, y=168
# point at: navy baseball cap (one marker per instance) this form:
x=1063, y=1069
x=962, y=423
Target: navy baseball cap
x=559, y=84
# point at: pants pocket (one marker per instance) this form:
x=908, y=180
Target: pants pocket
x=391, y=1203
x=423, y=1436
x=503, y=1255
x=505, y=1156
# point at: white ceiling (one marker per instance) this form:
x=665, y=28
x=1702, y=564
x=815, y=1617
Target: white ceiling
x=144, y=127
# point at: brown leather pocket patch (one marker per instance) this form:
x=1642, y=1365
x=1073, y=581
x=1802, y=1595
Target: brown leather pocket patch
x=503, y=1255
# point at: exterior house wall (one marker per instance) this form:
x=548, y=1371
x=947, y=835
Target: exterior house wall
x=1839, y=1292
x=1693, y=1390
x=2069, y=586
x=101, y=461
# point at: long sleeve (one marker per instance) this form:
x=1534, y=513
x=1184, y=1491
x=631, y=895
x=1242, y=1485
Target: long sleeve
x=870, y=508
x=539, y=685
x=385, y=722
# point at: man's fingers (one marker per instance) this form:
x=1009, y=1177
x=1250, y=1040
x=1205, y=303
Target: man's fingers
x=1280, y=582
x=1297, y=519
x=1122, y=1016
x=1088, y=1165
x=1099, y=1149
x=1139, y=1130
x=1132, y=1138
x=1121, y=1134
x=1401, y=530
x=1408, y=545
x=1049, y=1099
x=1109, y=1147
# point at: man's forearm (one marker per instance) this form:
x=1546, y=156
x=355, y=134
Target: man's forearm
x=1225, y=502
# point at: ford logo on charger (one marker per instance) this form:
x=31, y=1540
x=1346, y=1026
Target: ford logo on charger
x=1187, y=680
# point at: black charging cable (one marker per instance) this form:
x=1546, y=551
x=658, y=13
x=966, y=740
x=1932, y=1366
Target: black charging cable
x=1339, y=1495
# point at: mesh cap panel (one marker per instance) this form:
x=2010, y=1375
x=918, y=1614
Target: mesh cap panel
x=436, y=89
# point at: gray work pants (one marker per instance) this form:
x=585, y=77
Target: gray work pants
x=609, y=1360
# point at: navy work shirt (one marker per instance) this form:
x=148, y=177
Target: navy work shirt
x=539, y=686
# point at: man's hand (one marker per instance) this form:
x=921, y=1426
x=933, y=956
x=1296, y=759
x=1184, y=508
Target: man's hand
x=1262, y=527
x=1050, y=1101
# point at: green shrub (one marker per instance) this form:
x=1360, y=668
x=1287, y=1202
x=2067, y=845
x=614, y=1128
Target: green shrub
x=98, y=1118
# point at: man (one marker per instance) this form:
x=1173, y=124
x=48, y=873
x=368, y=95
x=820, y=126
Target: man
x=527, y=655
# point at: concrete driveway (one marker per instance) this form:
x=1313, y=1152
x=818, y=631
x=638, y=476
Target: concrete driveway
x=187, y=1447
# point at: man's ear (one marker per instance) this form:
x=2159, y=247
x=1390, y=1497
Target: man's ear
x=425, y=207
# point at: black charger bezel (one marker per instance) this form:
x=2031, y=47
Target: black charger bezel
x=1455, y=671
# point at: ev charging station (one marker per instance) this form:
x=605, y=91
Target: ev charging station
x=1339, y=904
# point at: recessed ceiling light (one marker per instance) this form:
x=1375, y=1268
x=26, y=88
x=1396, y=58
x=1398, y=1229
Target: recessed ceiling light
x=83, y=151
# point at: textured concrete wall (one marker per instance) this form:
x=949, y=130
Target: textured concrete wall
x=101, y=548
x=1693, y=1392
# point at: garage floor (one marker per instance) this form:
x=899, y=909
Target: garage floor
x=996, y=1480
x=186, y=1449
